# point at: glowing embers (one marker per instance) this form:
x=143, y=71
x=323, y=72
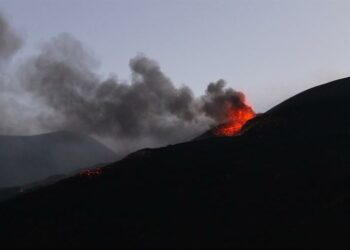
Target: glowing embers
x=237, y=117
x=92, y=172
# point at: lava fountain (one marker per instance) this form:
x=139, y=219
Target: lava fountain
x=237, y=116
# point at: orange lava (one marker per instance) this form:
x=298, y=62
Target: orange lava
x=92, y=172
x=237, y=117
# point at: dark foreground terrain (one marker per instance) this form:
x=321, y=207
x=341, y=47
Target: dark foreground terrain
x=280, y=184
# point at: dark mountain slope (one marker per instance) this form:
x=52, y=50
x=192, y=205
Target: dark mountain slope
x=319, y=110
x=324, y=109
x=26, y=159
x=263, y=189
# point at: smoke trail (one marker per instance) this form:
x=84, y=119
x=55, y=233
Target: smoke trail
x=147, y=111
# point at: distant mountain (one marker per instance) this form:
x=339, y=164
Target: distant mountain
x=27, y=159
x=278, y=185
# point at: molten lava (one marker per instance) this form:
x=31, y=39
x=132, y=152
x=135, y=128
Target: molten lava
x=91, y=172
x=237, y=117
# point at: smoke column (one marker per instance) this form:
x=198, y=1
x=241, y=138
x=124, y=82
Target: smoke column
x=62, y=91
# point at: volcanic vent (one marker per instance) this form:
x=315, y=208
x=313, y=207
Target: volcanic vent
x=235, y=112
x=237, y=117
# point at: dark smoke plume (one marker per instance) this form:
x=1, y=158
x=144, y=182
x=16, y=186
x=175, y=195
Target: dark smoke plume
x=218, y=100
x=147, y=111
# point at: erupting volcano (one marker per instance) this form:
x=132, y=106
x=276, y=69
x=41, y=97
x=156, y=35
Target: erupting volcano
x=237, y=116
x=282, y=184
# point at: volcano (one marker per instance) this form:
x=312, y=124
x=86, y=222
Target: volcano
x=282, y=183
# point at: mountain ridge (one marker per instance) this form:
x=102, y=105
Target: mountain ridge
x=272, y=186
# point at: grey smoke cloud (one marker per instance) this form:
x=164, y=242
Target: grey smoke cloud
x=10, y=42
x=147, y=111
x=218, y=100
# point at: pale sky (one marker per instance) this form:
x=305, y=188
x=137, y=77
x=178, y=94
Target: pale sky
x=268, y=49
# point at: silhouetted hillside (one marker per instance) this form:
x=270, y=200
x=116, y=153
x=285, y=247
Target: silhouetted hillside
x=278, y=185
x=320, y=110
x=26, y=159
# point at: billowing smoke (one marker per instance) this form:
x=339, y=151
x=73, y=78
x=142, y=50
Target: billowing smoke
x=65, y=93
x=10, y=42
x=218, y=100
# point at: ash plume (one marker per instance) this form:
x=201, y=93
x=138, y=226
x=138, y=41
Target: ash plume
x=66, y=93
x=10, y=42
x=218, y=100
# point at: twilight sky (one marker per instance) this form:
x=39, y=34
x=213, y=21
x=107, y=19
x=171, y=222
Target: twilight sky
x=268, y=49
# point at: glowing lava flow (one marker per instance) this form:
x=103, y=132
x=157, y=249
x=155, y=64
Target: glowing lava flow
x=237, y=117
x=91, y=172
